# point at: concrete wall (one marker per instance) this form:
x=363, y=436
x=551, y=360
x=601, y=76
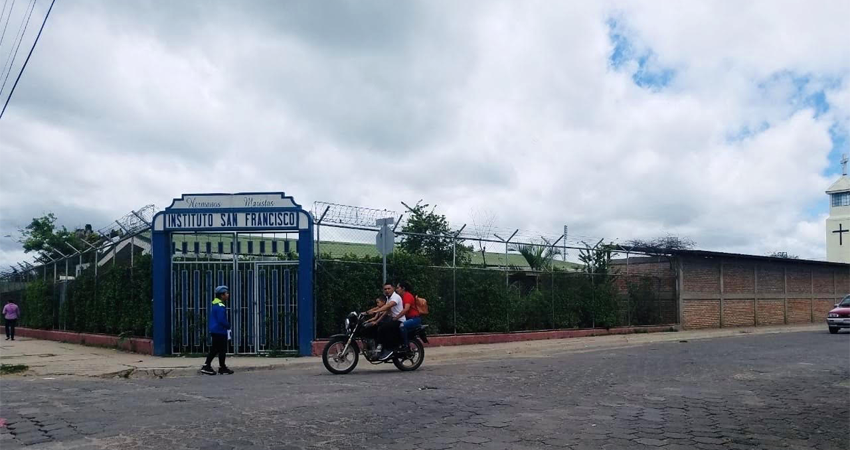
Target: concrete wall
x=718, y=292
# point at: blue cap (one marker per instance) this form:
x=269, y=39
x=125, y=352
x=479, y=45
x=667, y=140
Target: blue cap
x=221, y=290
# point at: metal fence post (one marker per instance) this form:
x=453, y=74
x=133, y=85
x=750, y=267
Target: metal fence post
x=552, y=293
x=454, y=283
x=454, y=275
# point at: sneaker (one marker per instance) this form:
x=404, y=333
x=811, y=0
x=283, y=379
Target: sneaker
x=385, y=355
x=207, y=370
x=224, y=371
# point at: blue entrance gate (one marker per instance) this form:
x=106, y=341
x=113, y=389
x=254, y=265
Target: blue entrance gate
x=258, y=244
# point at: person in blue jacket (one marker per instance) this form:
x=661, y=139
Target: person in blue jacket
x=218, y=326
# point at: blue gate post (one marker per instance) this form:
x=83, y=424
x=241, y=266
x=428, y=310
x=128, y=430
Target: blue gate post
x=240, y=212
x=305, y=289
x=161, y=253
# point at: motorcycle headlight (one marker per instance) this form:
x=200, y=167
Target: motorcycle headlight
x=347, y=323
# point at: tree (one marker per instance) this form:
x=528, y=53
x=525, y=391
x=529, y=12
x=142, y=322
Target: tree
x=785, y=255
x=42, y=236
x=601, y=300
x=538, y=256
x=427, y=233
x=666, y=243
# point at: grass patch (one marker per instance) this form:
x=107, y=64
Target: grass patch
x=9, y=369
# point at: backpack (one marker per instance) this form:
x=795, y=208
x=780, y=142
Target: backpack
x=421, y=305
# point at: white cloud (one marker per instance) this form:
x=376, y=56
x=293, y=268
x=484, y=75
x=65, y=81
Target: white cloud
x=513, y=108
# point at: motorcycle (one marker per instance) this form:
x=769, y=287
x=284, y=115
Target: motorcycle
x=342, y=352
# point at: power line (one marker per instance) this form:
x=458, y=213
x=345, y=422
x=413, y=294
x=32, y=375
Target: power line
x=7, y=19
x=11, y=59
x=28, y=57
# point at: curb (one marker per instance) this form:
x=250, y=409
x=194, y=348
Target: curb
x=134, y=345
x=451, y=340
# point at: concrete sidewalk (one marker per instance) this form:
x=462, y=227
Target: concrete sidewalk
x=56, y=359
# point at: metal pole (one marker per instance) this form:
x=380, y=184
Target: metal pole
x=454, y=274
x=384, y=230
x=552, y=289
x=140, y=218
x=79, y=253
x=565, y=243
x=507, y=275
x=454, y=280
x=318, y=238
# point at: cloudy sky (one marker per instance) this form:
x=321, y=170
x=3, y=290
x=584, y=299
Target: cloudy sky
x=718, y=121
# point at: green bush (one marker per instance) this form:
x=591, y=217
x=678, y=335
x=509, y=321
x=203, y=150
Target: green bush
x=118, y=301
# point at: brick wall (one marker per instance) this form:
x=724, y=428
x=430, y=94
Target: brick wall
x=799, y=281
x=738, y=278
x=771, y=312
x=822, y=307
x=842, y=283
x=757, y=286
x=823, y=281
x=701, y=314
x=799, y=310
x=701, y=276
x=771, y=279
x=738, y=313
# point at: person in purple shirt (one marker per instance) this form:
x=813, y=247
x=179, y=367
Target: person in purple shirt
x=10, y=314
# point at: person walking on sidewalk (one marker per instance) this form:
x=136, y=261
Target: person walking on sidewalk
x=10, y=315
x=219, y=327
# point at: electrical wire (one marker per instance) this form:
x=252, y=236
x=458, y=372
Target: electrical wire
x=7, y=19
x=28, y=57
x=11, y=59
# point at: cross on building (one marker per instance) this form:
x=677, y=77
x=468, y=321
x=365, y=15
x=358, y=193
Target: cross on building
x=844, y=161
x=841, y=232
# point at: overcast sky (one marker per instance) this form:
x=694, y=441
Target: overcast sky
x=718, y=121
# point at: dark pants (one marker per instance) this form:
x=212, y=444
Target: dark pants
x=10, y=328
x=389, y=335
x=219, y=347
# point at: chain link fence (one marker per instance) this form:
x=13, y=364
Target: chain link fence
x=475, y=282
x=480, y=287
x=102, y=287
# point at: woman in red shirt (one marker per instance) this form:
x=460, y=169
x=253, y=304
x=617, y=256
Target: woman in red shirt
x=410, y=313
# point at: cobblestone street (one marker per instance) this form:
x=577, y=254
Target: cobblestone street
x=749, y=392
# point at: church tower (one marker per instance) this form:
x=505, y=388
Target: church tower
x=838, y=222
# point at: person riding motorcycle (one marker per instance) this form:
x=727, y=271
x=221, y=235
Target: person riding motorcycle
x=409, y=312
x=388, y=335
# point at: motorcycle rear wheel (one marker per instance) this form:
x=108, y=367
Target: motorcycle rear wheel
x=336, y=363
x=413, y=360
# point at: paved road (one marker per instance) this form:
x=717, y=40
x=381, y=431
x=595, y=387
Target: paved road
x=769, y=391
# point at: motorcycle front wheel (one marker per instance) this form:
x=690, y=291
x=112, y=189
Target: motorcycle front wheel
x=335, y=361
x=413, y=359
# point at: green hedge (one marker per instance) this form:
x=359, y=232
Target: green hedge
x=117, y=302
x=483, y=300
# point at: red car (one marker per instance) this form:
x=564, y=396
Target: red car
x=839, y=317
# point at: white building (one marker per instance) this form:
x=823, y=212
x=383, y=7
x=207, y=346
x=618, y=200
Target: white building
x=838, y=222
